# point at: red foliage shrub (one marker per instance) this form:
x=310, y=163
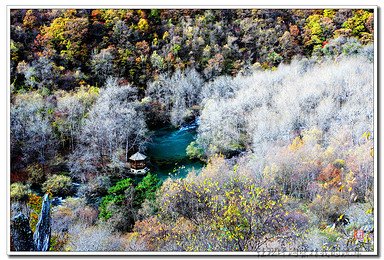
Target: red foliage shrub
x=330, y=175
x=324, y=43
x=19, y=176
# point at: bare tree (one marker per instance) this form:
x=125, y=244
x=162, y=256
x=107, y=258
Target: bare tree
x=113, y=128
x=31, y=129
x=177, y=93
x=102, y=64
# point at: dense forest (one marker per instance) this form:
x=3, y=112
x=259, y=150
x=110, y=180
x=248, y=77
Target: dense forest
x=283, y=100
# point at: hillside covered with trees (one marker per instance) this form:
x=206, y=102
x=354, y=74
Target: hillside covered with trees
x=283, y=100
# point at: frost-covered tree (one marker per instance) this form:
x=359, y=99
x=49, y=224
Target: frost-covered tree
x=114, y=128
x=121, y=34
x=102, y=64
x=71, y=112
x=31, y=129
x=221, y=128
x=40, y=73
x=176, y=94
x=276, y=106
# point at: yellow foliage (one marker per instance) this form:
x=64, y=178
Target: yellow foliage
x=143, y=24
x=350, y=178
x=296, y=144
x=267, y=171
x=314, y=135
x=166, y=35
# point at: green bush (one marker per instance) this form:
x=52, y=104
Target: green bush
x=146, y=189
x=19, y=192
x=124, y=200
x=120, y=187
x=194, y=152
x=58, y=184
x=116, y=195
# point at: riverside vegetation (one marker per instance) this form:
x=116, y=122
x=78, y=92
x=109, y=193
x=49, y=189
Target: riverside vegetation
x=284, y=101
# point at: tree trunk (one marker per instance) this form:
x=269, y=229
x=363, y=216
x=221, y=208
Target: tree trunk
x=22, y=236
x=126, y=151
x=42, y=236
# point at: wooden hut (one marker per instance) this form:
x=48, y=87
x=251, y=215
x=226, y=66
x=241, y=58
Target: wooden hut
x=137, y=163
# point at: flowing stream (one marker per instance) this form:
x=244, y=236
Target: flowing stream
x=167, y=152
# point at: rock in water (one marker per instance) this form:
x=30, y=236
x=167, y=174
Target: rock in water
x=42, y=236
x=21, y=232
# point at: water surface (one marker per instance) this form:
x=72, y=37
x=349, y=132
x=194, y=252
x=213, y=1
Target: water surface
x=167, y=152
